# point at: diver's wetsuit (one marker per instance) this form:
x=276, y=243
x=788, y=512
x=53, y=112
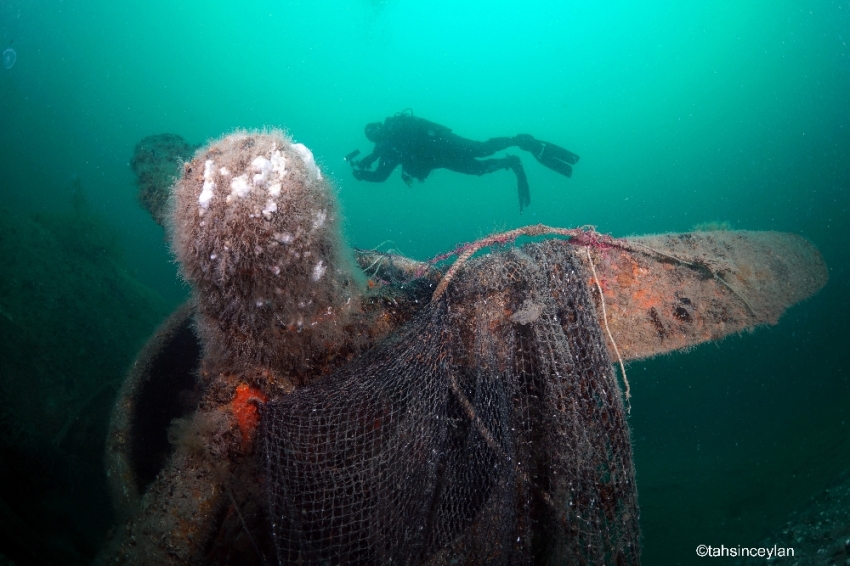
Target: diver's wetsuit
x=420, y=146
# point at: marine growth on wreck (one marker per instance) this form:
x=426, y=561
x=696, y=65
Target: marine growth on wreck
x=453, y=413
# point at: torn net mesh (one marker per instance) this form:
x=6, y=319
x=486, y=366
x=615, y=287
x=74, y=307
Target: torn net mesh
x=488, y=430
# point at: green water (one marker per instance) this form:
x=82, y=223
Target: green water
x=682, y=112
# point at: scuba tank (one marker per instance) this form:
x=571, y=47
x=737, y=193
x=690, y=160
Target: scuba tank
x=406, y=121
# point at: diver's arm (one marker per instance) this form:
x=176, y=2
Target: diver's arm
x=385, y=167
x=367, y=161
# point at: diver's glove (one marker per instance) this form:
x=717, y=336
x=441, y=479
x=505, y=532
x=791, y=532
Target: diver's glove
x=359, y=165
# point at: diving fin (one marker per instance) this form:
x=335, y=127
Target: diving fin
x=550, y=155
x=521, y=181
x=522, y=189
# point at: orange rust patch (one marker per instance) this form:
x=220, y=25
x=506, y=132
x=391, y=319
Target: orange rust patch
x=245, y=410
x=624, y=279
x=646, y=299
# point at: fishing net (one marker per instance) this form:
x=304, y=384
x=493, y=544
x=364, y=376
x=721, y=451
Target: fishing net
x=488, y=429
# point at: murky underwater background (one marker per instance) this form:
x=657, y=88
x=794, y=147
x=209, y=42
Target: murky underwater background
x=682, y=112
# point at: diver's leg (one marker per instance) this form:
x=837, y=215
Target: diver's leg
x=478, y=166
x=545, y=152
x=552, y=156
x=475, y=149
x=484, y=166
x=493, y=145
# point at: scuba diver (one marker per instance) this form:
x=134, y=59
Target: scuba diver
x=420, y=146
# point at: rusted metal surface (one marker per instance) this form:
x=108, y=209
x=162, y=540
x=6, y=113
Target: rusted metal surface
x=176, y=517
x=662, y=293
x=674, y=291
x=120, y=470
